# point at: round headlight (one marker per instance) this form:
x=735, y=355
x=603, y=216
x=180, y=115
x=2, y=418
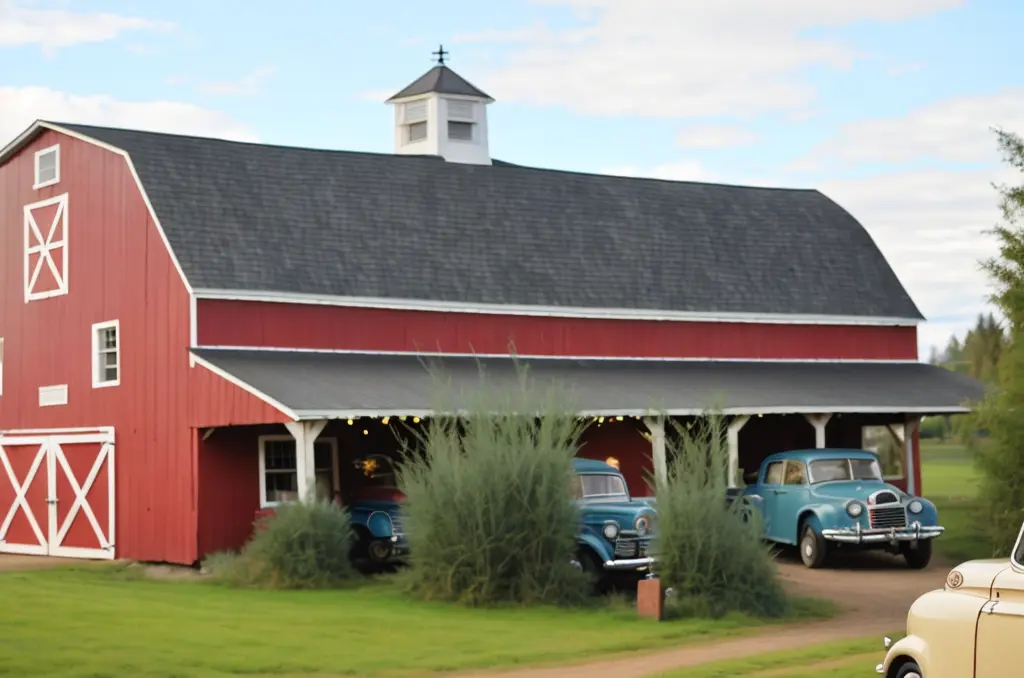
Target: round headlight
x=611, y=530
x=915, y=506
x=855, y=508
x=642, y=524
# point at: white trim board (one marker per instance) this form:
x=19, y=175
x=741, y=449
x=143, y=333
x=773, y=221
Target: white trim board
x=530, y=356
x=552, y=311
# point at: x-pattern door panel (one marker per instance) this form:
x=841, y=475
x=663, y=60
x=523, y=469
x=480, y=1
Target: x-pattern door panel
x=66, y=496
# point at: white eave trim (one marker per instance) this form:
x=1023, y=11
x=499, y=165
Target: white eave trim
x=550, y=311
x=595, y=358
x=647, y=412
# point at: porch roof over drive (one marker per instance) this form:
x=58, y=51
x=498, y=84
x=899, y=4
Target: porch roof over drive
x=314, y=385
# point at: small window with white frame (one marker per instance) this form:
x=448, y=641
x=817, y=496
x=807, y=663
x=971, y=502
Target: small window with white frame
x=279, y=476
x=47, y=167
x=106, y=354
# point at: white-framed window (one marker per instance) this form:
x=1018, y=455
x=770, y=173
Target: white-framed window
x=279, y=476
x=47, y=167
x=460, y=131
x=106, y=354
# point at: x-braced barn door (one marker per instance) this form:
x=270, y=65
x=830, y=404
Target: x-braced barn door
x=57, y=493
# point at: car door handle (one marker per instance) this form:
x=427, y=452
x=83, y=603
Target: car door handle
x=779, y=491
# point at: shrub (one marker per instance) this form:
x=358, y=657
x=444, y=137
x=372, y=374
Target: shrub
x=489, y=512
x=714, y=561
x=301, y=546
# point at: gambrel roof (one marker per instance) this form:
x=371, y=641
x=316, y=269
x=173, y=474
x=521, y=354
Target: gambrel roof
x=254, y=217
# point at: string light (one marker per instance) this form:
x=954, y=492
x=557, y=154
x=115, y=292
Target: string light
x=415, y=420
x=365, y=432
x=618, y=418
x=385, y=420
x=349, y=422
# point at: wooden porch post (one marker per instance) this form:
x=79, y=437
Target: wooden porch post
x=911, y=462
x=656, y=425
x=819, y=422
x=733, y=439
x=305, y=434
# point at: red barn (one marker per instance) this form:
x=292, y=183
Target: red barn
x=190, y=328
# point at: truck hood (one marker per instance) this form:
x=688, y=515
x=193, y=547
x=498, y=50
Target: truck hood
x=622, y=511
x=975, y=577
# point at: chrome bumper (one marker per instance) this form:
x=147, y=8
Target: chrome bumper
x=887, y=642
x=628, y=563
x=857, y=535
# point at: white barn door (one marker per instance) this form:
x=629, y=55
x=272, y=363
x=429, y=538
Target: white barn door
x=57, y=493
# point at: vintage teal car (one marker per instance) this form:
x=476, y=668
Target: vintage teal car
x=375, y=512
x=617, y=531
x=827, y=500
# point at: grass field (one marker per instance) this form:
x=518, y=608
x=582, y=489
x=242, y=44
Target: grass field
x=100, y=621
x=949, y=478
x=844, y=659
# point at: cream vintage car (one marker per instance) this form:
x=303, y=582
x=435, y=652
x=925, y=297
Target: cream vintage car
x=967, y=629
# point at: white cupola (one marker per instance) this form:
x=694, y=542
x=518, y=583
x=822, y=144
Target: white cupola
x=442, y=114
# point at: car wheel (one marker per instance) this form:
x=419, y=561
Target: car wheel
x=918, y=558
x=588, y=561
x=909, y=670
x=813, y=548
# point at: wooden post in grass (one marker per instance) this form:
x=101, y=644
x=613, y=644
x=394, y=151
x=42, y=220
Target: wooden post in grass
x=650, y=599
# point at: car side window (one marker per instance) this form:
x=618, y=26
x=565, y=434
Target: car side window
x=774, y=474
x=795, y=473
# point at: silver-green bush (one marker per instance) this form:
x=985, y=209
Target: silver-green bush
x=715, y=561
x=301, y=546
x=489, y=512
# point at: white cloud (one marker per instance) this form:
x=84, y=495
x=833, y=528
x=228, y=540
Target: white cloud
x=666, y=58
x=714, y=136
x=52, y=29
x=248, y=85
x=954, y=130
x=22, y=106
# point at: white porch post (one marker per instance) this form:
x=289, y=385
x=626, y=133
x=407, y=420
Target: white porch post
x=819, y=422
x=733, y=440
x=305, y=434
x=656, y=426
x=910, y=461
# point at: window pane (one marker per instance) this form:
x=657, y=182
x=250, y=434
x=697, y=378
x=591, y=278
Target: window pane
x=279, y=455
x=866, y=469
x=594, y=484
x=460, y=131
x=47, y=167
x=282, y=487
x=794, y=473
x=828, y=470
x=109, y=339
x=418, y=131
x=110, y=373
x=774, y=475
x=322, y=455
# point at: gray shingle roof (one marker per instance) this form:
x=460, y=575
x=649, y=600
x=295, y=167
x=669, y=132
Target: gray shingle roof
x=253, y=217
x=441, y=80
x=326, y=383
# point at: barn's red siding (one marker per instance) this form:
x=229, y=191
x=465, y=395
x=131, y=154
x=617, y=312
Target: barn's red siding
x=118, y=268
x=281, y=325
x=218, y=402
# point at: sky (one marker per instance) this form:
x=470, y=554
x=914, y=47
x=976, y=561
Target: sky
x=886, y=106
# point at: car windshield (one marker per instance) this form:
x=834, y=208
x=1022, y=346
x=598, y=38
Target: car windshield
x=600, y=485
x=828, y=470
x=378, y=471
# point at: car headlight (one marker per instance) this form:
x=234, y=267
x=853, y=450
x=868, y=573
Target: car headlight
x=642, y=524
x=915, y=506
x=611, y=530
x=854, y=509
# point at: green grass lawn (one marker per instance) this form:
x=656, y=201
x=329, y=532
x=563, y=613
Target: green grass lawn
x=100, y=621
x=843, y=659
x=949, y=478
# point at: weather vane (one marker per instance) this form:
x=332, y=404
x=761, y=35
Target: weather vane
x=440, y=54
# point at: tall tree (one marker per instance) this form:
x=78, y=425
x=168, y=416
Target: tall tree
x=1002, y=460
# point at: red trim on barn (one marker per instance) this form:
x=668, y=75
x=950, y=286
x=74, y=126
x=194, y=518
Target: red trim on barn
x=308, y=326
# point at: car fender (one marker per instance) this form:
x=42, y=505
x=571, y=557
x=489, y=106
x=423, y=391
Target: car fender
x=598, y=545
x=821, y=516
x=377, y=522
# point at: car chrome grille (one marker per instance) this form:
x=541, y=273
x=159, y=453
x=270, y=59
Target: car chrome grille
x=630, y=548
x=396, y=525
x=895, y=516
